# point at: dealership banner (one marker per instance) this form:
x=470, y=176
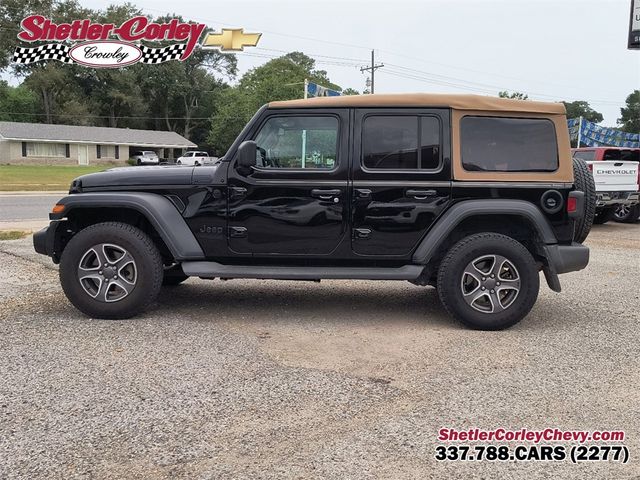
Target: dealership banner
x=106, y=45
x=594, y=135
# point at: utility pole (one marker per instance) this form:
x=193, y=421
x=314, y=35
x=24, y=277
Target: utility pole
x=372, y=69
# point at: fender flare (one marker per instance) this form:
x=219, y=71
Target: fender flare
x=158, y=210
x=460, y=211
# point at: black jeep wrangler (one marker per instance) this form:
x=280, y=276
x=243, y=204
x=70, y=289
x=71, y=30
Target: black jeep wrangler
x=472, y=195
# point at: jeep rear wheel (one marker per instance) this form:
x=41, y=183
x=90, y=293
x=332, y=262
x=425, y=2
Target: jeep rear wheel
x=488, y=281
x=111, y=270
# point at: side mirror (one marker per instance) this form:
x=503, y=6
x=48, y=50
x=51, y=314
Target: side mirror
x=247, y=155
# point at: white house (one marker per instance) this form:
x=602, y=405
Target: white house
x=39, y=143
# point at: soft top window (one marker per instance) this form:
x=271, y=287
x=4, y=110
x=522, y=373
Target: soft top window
x=501, y=144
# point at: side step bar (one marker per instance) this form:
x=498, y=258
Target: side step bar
x=214, y=269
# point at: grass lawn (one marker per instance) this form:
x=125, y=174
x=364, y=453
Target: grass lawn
x=42, y=177
x=13, y=234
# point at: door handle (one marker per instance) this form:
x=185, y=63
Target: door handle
x=238, y=191
x=325, y=194
x=363, y=193
x=361, y=233
x=237, y=232
x=421, y=194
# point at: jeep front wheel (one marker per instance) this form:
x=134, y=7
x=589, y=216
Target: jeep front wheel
x=111, y=270
x=488, y=281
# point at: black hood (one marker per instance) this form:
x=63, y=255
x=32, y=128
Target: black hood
x=137, y=176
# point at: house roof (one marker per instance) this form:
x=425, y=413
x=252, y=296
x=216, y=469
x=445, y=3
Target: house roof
x=448, y=100
x=42, y=132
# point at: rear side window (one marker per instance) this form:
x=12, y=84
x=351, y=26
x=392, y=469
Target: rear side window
x=400, y=142
x=585, y=155
x=496, y=144
x=615, y=154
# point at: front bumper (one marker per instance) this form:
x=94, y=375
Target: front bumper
x=609, y=199
x=46, y=241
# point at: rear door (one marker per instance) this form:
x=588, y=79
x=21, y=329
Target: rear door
x=401, y=178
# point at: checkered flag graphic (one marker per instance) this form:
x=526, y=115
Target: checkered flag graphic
x=160, y=55
x=51, y=51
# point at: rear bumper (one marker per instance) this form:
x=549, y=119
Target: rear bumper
x=609, y=199
x=567, y=258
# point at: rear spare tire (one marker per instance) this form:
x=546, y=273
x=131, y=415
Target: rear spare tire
x=583, y=181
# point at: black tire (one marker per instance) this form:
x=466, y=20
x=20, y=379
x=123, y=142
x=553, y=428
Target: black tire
x=173, y=276
x=627, y=214
x=144, y=277
x=138, y=162
x=583, y=181
x=513, y=306
x=604, y=215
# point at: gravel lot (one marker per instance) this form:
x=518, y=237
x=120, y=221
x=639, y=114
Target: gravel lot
x=264, y=379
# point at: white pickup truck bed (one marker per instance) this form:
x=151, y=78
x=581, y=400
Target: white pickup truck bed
x=616, y=182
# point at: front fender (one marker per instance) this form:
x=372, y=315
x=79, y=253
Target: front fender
x=158, y=210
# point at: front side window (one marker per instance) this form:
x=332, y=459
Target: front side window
x=496, y=144
x=391, y=142
x=298, y=142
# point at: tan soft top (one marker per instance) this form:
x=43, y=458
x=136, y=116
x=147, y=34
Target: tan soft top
x=447, y=100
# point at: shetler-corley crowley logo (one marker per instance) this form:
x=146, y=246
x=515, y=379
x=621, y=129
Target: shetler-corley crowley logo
x=108, y=45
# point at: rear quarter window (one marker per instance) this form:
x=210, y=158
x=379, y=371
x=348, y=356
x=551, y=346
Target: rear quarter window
x=501, y=144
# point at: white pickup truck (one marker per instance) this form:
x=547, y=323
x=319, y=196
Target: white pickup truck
x=616, y=186
x=196, y=158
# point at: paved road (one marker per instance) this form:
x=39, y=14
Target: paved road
x=27, y=206
x=264, y=379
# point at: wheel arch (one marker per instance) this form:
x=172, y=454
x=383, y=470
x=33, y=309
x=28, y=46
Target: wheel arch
x=526, y=223
x=154, y=214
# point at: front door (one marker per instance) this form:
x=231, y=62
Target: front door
x=295, y=200
x=401, y=178
x=83, y=154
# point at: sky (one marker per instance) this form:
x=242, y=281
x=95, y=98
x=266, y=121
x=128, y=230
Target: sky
x=551, y=50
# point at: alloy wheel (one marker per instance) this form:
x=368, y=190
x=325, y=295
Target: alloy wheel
x=107, y=272
x=490, y=283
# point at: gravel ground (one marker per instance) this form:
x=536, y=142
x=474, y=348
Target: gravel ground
x=264, y=379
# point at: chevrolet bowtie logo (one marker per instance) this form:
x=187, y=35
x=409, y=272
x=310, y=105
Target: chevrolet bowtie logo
x=231, y=39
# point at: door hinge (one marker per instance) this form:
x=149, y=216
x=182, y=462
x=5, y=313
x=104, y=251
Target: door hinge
x=237, y=232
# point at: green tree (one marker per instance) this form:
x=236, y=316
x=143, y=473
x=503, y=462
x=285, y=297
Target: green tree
x=18, y=104
x=279, y=79
x=630, y=115
x=580, y=108
x=234, y=109
x=516, y=95
x=350, y=91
